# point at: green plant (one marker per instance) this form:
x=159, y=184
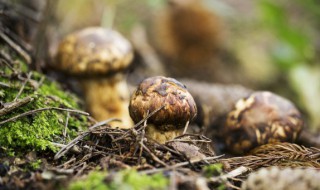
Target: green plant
x=126, y=179
x=94, y=181
x=39, y=130
x=293, y=45
x=213, y=170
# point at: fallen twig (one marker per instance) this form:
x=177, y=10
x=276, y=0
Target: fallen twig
x=4, y=84
x=139, y=123
x=232, y=174
x=65, y=149
x=8, y=107
x=181, y=164
x=40, y=110
x=15, y=47
x=155, y=158
x=23, y=85
x=65, y=127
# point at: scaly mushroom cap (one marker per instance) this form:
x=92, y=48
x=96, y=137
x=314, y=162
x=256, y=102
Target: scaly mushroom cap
x=283, y=179
x=93, y=51
x=155, y=92
x=259, y=119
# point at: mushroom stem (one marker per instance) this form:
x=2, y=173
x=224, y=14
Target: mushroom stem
x=161, y=136
x=108, y=98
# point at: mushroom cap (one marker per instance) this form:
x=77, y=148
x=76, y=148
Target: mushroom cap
x=278, y=178
x=261, y=118
x=155, y=92
x=93, y=51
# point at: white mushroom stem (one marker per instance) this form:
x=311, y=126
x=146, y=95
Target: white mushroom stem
x=108, y=98
x=162, y=136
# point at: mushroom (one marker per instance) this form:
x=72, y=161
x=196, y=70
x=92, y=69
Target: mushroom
x=283, y=178
x=261, y=118
x=169, y=122
x=99, y=57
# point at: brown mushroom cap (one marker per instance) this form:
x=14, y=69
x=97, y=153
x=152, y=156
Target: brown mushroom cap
x=93, y=51
x=155, y=92
x=261, y=118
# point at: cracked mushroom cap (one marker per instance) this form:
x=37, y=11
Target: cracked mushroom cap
x=155, y=92
x=261, y=118
x=93, y=51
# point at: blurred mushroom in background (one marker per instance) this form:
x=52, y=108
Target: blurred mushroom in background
x=261, y=118
x=188, y=31
x=189, y=37
x=283, y=179
x=191, y=40
x=99, y=58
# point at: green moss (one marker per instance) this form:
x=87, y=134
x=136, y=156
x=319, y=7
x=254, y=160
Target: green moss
x=213, y=170
x=94, y=181
x=126, y=179
x=39, y=130
x=35, y=165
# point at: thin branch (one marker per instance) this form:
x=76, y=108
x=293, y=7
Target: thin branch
x=6, y=59
x=74, y=149
x=65, y=149
x=155, y=158
x=141, y=140
x=148, y=116
x=8, y=107
x=84, y=166
x=66, y=163
x=26, y=12
x=23, y=86
x=181, y=164
x=16, y=47
x=40, y=110
x=40, y=82
x=4, y=85
x=139, y=123
x=232, y=174
x=186, y=127
x=16, y=38
x=65, y=127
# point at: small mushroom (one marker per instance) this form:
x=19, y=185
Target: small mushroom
x=261, y=118
x=99, y=57
x=169, y=122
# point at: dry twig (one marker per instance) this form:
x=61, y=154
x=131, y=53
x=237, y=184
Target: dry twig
x=40, y=110
x=8, y=107
x=15, y=47
x=23, y=86
x=65, y=149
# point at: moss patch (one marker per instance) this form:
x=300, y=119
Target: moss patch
x=36, y=131
x=126, y=179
